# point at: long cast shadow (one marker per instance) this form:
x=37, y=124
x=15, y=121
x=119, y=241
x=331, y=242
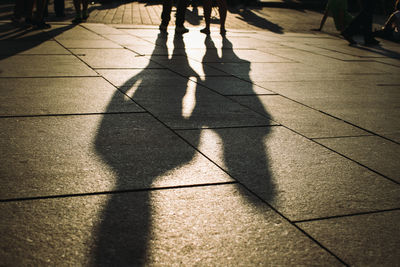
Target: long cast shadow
x=139, y=152
x=244, y=155
x=14, y=40
x=123, y=235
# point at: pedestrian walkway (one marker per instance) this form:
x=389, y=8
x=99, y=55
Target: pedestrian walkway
x=122, y=146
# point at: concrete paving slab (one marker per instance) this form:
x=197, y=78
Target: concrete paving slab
x=311, y=92
x=364, y=240
x=267, y=77
x=187, y=67
x=51, y=96
x=61, y=155
x=213, y=225
x=133, y=78
x=258, y=70
x=374, y=152
x=360, y=102
x=389, y=61
x=12, y=33
x=89, y=44
x=9, y=48
x=332, y=65
x=362, y=51
x=188, y=105
x=192, y=40
x=143, y=32
x=227, y=55
x=233, y=86
x=44, y=66
x=113, y=58
x=193, y=53
x=101, y=29
x=77, y=33
x=127, y=40
x=298, y=177
x=304, y=120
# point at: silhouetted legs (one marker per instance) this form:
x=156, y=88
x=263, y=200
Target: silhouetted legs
x=81, y=7
x=180, y=15
x=222, y=8
x=362, y=21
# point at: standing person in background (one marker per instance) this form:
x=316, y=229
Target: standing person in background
x=364, y=21
x=222, y=8
x=59, y=7
x=24, y=8
x=391, y=29
x=81, y=7
x=338, y=10
x=180, y=16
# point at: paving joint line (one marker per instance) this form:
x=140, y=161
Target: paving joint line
x=358, y=163
x=344, y=136
x=346, y=215
x=225, y=127
x=70, y=114
x=294, y=225
x=48, y=77
x=112, y=192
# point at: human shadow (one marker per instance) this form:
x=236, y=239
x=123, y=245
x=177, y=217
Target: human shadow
x=380, y=50
x=252, y=18
x=14, y=40
x=244, y=150
x=141, y=149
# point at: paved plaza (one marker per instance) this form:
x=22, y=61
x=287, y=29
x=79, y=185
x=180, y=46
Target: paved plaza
x=123, y=146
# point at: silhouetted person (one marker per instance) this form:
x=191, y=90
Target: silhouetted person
x=24, y=9
x=59, y=8
x=81, y=10
x=363, y=22
x=391, y=29
x=338, y=10
x=222, y=8
x=180, y=16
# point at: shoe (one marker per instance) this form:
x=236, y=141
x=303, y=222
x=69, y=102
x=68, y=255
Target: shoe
x=348, y=38
x=85, y=15
x=222, y=32
x=77, y=19
x=371, y=42
x=42, y=25
x=181, y=30
x=205, y=31
x=17, y=21
x=28, y=22
x=163, y=28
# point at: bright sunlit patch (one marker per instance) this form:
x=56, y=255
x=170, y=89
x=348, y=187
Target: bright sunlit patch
x=189, y=100
x=131, y=91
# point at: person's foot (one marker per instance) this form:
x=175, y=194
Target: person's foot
x=28, y=23
x=222, y=31
x=42, y=25
x=17, y=21
x=371, y=42
x=85, y=15
x=77, y=19
x=205, y=31
x=348, y=38
x=163, y=28
x=181, y=30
